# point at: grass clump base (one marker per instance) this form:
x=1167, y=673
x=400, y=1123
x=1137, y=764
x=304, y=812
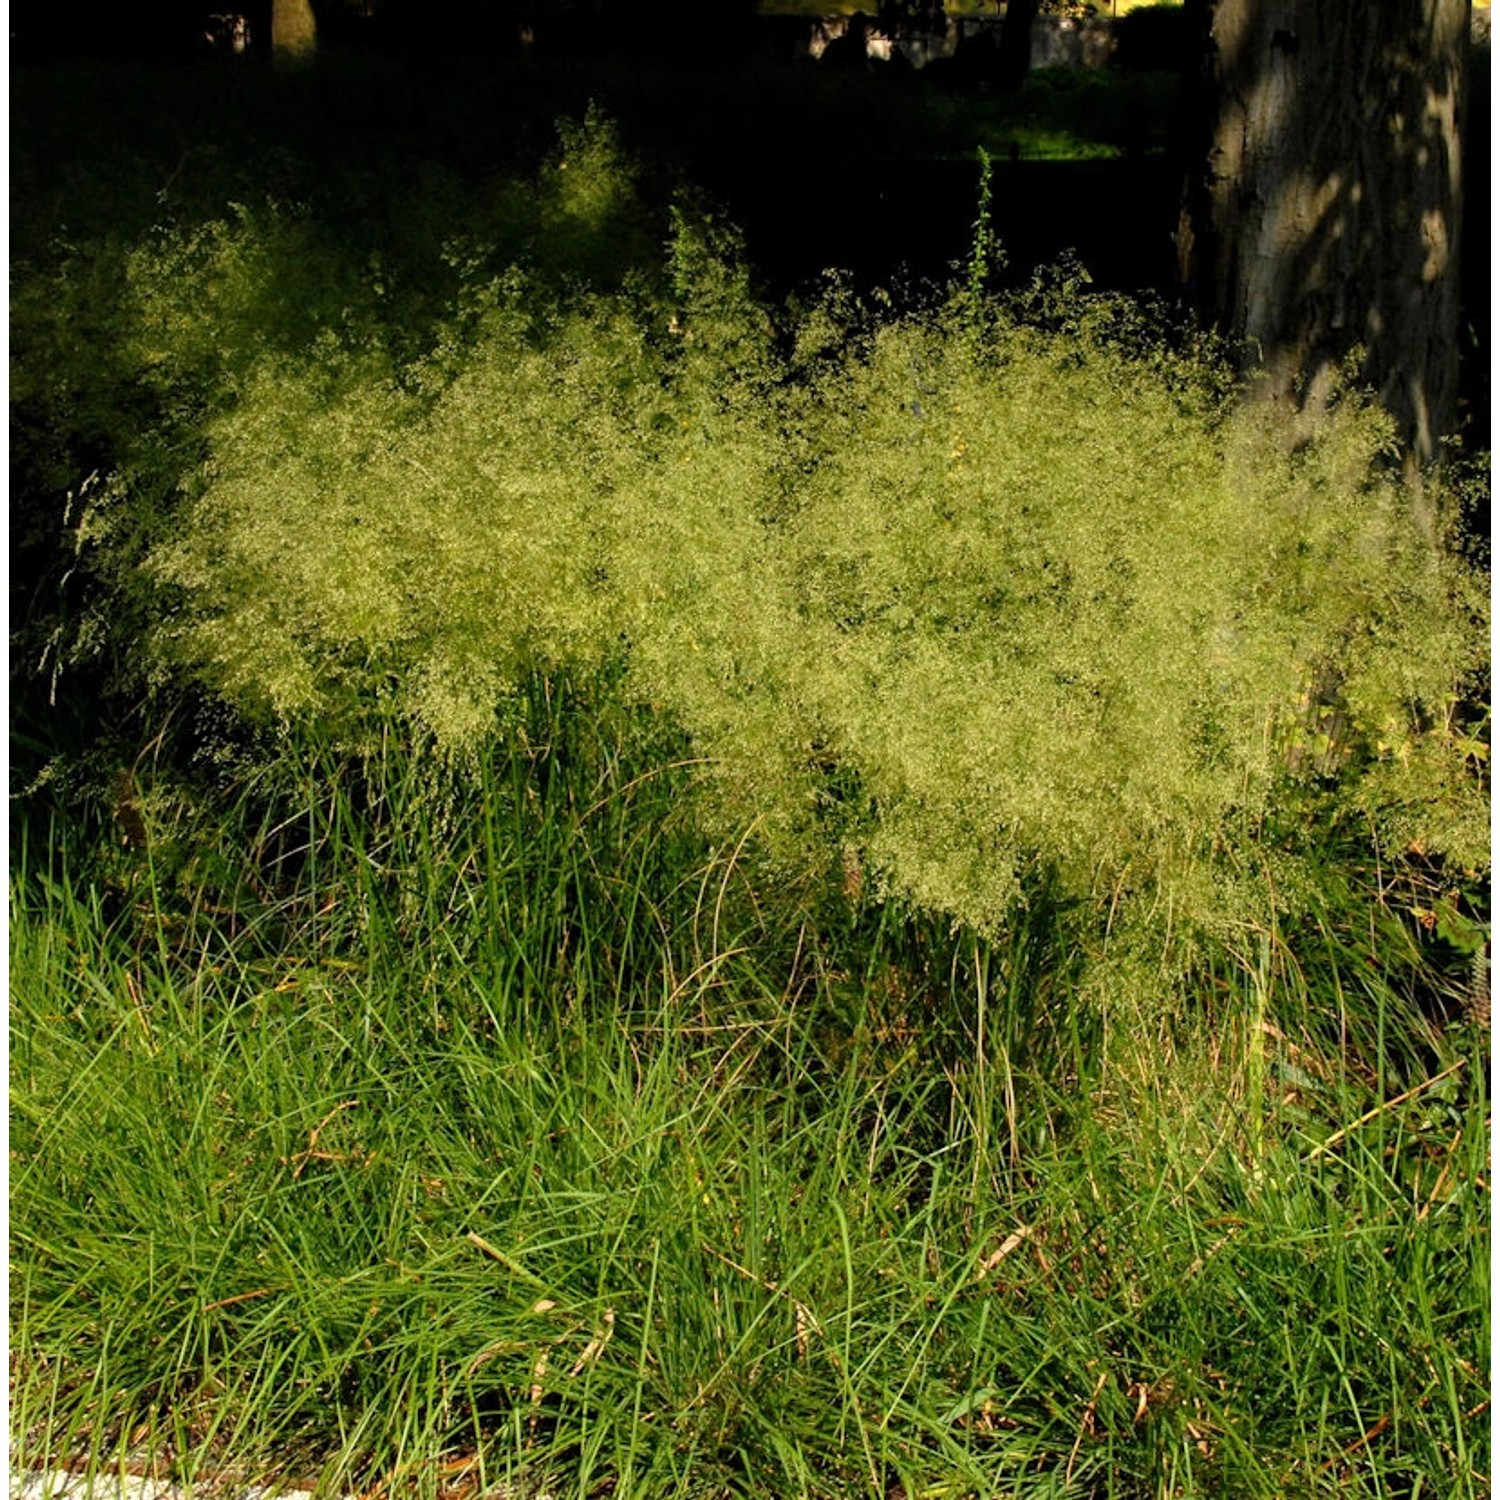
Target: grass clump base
x=508, y=1136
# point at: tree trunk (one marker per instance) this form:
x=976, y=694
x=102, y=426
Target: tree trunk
x=1323, y=215
x=1014, y=60
x=294, y=31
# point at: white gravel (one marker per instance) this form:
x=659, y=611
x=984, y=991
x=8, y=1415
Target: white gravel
x=60, y=1485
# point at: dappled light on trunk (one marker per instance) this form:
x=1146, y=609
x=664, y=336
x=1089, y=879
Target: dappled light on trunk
x=294, y=29
x=1323, y=225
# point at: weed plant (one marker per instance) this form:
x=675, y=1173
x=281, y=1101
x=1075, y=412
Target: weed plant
x=734, y=900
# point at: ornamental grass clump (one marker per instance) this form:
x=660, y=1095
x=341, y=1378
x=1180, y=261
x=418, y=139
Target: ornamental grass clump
x=1056, y=608
x=724, y=899
x=945, y=599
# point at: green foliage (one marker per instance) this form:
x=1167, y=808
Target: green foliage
x=986, y=257
x=374, y=1117
x=480, y=1038
x=949, y=596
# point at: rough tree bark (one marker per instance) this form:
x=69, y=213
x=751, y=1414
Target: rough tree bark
x=1324, y=216
x=294, y=31
x=1014, y=54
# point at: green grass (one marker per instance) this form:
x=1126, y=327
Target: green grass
x=620, y=1099
x=385, y=1128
